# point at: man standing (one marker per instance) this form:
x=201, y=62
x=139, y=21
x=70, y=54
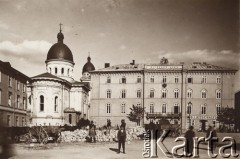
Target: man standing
x=92, y=132
x=121, y=139
x=189, y=135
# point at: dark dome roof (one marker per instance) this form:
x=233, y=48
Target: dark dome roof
x=88, y=66
x=60, y=51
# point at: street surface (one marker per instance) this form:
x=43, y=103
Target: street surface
x=99, y=150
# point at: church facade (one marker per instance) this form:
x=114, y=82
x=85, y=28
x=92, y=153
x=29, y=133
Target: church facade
x=54, y=97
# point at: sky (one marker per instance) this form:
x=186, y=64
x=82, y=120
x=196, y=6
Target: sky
x=119, y=31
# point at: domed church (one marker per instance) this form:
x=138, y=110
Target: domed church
x=54, y=97
x=86, y=77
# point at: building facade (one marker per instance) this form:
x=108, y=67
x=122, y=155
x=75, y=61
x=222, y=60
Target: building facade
x=184, y=94
x=13, y=96
x=55, y=98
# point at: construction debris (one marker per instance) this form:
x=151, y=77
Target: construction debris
x=80, y=135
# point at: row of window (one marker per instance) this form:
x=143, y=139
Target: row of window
x=10, y=100
x=164, y=79
x=17, y=121
x=18, y=84
x=62, y=71
x=203, y=108
x=42, y=103
x=123, y=107
x=164, y=93
x=176, y=108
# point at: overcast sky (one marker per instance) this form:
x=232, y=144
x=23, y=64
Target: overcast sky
x=118, y=31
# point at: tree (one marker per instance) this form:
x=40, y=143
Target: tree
x=136, y=114
x=226, y=116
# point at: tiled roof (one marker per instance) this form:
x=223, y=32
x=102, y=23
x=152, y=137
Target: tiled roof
x=205, y=66
x=123, y=67
x=47, y=75
x=157, y=66
x=8, y=68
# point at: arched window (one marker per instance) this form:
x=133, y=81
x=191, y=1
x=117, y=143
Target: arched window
x=204, y=94
x=151, y=108
x=176, y=108
x=108, y=79
x=204, y=107
x=152, y=93
x=50, y=70
x=55, y=70
x=164, y=108
x=70, y=118
x=62, y=71
x=176, y=93
x=218, y=106
x=189, y=108
x=164, y=93
x=41, y=103
x=56, y=104
x=189, y=93
x=139, y=93
x=218, y=94
x=123, y=93
x=108, y=108
x=123, y=107
x=108, y=93
x=68, y=72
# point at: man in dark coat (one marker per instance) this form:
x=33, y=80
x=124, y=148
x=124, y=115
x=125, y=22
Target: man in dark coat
x=211, y=133
x=189, y=135
x=123, y=124
x=92, y=132
x=121, y=135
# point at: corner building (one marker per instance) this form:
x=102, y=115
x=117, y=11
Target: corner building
x=13, y=96
x=183, y=94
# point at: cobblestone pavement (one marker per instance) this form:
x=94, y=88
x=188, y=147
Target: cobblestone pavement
x=81, y=150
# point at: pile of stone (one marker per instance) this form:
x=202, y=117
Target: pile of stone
x=80, y=135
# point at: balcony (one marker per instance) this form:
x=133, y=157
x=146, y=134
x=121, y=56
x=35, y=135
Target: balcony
x=159, y=115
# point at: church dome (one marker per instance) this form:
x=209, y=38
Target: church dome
x=60, y=51
x=88, y=66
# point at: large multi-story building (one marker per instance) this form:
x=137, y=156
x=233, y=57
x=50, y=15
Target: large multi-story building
x=13, y=96
x=185, y=94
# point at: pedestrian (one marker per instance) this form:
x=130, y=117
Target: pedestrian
x=123, y=124
x=108, y=125
x=211, y=133
x=121, y=135
x=189, y=135
x=92, y=132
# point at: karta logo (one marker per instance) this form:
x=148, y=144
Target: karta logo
x=151, y=144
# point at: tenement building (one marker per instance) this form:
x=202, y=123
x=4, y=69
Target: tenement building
x=55, y=98
x=13, y=96
x=184, y=94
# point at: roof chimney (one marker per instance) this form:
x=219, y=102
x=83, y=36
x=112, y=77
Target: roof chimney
x=107, y=65
x=133, y=62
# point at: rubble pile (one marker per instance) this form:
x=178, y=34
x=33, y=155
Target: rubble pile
x=80, y=135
